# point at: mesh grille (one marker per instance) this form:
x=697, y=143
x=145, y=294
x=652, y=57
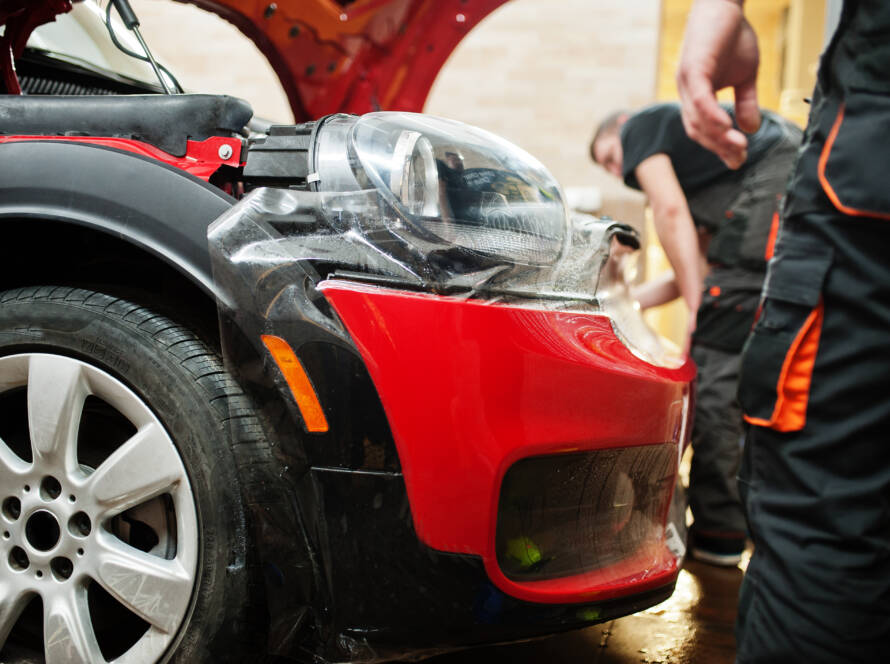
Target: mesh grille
x=572, y=513
x=37, y=85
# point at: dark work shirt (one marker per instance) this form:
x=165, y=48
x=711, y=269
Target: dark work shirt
x=659, y=129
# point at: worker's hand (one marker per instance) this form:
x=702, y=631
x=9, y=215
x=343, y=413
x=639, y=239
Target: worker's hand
x=719, y=50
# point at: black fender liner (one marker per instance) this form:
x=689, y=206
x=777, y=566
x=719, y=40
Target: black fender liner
x=149, y=204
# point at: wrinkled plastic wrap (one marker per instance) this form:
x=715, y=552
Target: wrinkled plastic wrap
x=352, y=235
x=439, y=358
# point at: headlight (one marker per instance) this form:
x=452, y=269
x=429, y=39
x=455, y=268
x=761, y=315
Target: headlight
x=412, y=201
x=447, y=183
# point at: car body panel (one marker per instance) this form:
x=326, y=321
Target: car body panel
x=202, y=158
x=20, y=18
x=470, y=388
x=354, y=57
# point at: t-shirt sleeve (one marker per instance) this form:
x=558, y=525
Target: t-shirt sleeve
x=659, y=129
x=651, y=131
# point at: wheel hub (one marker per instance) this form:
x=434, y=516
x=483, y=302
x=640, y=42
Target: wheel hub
x=42, y=530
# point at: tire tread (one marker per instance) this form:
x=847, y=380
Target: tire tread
x=229, y=406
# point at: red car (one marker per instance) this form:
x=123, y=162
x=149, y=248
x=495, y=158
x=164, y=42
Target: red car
x=355, y=389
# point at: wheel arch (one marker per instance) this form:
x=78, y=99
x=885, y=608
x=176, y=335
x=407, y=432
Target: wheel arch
x=39, y=251
x=115, y=207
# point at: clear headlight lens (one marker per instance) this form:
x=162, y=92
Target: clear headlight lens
x=449, y=183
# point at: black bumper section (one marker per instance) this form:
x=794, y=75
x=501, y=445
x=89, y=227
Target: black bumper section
x=396, y=598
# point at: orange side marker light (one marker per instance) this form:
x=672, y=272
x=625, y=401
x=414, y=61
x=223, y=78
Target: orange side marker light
x=298, y=382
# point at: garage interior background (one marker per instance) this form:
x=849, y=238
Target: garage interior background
x=538, y=72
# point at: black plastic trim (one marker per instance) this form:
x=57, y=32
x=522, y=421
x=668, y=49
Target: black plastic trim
x=147, y=203
x=393, y=597
x=165, y=121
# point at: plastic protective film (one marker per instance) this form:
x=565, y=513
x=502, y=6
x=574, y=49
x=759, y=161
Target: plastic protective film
x=465, y=210
x=427, y=216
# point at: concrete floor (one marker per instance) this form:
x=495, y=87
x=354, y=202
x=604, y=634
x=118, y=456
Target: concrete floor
x=694, y=626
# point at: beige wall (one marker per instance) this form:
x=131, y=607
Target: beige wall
x=542, y=73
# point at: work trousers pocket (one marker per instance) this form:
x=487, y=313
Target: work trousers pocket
x=855, y=159
x=780, y=354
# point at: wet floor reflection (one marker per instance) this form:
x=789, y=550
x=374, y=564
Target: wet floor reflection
x=695, y=625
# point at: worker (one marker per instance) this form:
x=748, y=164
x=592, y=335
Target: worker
x=815, y=375
x=714, y=224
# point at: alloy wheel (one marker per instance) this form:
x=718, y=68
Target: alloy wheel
x=97, y=516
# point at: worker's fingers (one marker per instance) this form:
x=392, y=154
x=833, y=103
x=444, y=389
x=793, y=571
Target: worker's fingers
x=703, y=118
x=733, y=149
x=706, y=122
x=747, y=111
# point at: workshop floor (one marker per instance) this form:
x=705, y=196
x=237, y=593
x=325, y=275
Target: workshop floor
x=694, y=626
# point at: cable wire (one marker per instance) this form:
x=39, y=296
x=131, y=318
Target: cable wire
x=133, y=54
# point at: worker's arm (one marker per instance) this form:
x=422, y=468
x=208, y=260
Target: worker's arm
x=674, y=227
x=655, y=292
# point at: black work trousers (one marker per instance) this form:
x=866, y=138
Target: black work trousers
x=716, y=445
x=815, y=388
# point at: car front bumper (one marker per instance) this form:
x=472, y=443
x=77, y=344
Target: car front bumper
x=471, y=388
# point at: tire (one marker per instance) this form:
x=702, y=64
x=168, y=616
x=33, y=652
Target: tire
x=120, y=505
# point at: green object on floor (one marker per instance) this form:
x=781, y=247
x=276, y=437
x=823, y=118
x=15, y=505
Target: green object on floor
x=524, y=551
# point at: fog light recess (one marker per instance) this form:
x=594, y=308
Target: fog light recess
x=568, y=514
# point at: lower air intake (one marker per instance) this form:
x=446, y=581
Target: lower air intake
x=569, y=514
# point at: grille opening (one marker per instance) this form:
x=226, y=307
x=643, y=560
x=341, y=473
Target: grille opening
x=567, y=514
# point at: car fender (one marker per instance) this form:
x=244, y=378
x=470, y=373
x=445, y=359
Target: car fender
x=144, y=202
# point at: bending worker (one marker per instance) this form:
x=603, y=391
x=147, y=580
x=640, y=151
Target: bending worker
x=715, y=226
x=815, y=383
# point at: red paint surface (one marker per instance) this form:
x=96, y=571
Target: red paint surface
x=201, y=158
x=354, y=57
x=469, y=388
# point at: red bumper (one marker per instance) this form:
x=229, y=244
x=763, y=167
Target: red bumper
x=470, y=388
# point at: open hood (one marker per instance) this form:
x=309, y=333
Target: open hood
x=354, y=56
x=331, y=56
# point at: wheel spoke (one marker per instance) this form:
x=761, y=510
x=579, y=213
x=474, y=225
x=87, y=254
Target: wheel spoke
x=68, y=636
x=155, y=589
x=11, y=606
x=146, y=466
x=56, y=392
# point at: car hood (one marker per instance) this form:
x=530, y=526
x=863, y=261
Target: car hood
x=354, y=56
x=331, y=56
